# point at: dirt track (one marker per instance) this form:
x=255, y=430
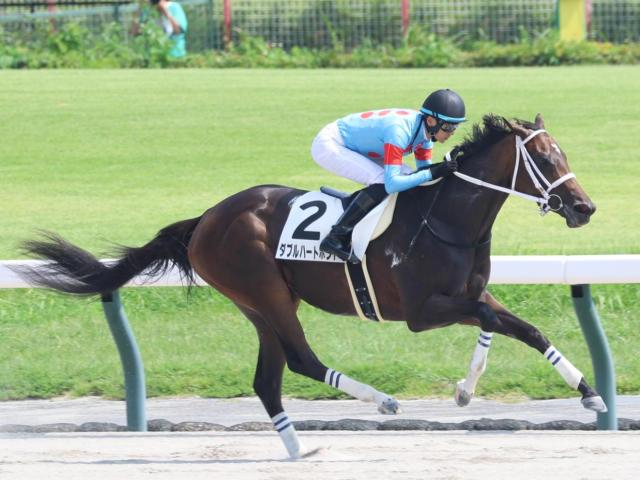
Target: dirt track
x=342, y=455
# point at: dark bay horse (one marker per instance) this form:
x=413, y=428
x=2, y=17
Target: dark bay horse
x=430, y=268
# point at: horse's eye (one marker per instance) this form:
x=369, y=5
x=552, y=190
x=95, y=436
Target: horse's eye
x=545, y=160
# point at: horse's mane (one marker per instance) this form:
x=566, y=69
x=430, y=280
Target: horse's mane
x=493, y=129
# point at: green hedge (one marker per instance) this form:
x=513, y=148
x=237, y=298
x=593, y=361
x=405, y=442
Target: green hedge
x=74, y=47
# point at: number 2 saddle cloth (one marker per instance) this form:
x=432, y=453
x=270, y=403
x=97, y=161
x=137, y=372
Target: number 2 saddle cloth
x=311, y=217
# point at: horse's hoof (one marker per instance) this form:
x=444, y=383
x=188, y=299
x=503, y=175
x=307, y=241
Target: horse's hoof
x=594, y=403
x=462, y=396
x=297, y=455
x=389, y=407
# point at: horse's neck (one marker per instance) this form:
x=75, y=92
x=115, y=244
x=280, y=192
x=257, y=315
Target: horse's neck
x=469, y=209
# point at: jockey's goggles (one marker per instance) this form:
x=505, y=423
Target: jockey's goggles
x=448, y=127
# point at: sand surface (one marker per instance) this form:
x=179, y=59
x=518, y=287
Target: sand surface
x=342, y=455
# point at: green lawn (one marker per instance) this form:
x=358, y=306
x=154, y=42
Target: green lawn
x=112, y=156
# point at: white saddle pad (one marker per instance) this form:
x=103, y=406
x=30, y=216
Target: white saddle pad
x=311, y=218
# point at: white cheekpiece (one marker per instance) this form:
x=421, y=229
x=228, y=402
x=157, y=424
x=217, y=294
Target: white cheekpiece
x=564, y=367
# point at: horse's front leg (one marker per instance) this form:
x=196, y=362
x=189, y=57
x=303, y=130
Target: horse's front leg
x=440, y=311
x=466, y=387
x=514, y=327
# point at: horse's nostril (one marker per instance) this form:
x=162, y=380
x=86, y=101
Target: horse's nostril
x=585, y=208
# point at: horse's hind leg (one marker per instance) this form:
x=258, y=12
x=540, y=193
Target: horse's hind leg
x=362, y=391
x=514, y=327
x=264, y=290
x=267, y=383
x=231, y=252
x=302, y=360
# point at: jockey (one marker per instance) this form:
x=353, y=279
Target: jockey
x=369, y=147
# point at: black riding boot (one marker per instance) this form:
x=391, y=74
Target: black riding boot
x=338, y=242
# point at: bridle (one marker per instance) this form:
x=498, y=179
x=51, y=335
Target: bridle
x=547, y=201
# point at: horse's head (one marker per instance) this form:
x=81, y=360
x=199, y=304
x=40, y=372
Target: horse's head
x=546, y=174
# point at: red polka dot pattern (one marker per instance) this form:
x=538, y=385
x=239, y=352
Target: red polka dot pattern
x=366, y=114
x=373, y=155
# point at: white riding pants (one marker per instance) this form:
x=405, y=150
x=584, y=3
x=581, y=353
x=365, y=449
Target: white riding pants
x=328, y=151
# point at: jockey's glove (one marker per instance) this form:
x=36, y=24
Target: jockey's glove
x=444, y=169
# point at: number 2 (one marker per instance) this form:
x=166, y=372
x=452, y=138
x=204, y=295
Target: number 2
x=301, y=233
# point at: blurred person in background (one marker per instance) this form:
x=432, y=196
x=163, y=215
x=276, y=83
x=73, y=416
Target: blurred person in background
x=174, y=24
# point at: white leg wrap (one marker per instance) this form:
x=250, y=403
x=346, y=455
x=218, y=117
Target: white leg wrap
x=288, y=434
x=358, y=390
x=478, y=361
x=564, y=367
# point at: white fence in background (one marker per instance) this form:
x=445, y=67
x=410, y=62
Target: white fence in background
x=527, y=269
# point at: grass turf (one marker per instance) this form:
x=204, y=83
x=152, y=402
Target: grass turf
x=112, y=156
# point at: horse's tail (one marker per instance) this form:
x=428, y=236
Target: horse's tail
x=73, y=270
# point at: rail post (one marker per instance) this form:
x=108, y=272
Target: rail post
x=405, y=9
x=601, y=358
x=131, y=359
x=226, y=12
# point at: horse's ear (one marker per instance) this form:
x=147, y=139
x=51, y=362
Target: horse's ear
x=539, y=122
x=517, y=128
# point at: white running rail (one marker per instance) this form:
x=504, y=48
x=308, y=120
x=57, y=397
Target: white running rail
x=505, y=269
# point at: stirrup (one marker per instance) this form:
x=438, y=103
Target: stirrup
x=328, y=245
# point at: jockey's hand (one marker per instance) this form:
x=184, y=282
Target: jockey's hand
x=454, y=154
x=444, y=169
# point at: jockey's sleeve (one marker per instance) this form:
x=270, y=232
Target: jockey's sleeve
x=394, y=180
x=423, y=156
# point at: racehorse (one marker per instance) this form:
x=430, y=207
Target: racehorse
x=430, y=268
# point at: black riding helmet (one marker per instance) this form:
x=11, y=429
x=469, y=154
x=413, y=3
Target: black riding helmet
x=445, y=105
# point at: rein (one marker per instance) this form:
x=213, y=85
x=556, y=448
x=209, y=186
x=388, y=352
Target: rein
x=425, y=224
